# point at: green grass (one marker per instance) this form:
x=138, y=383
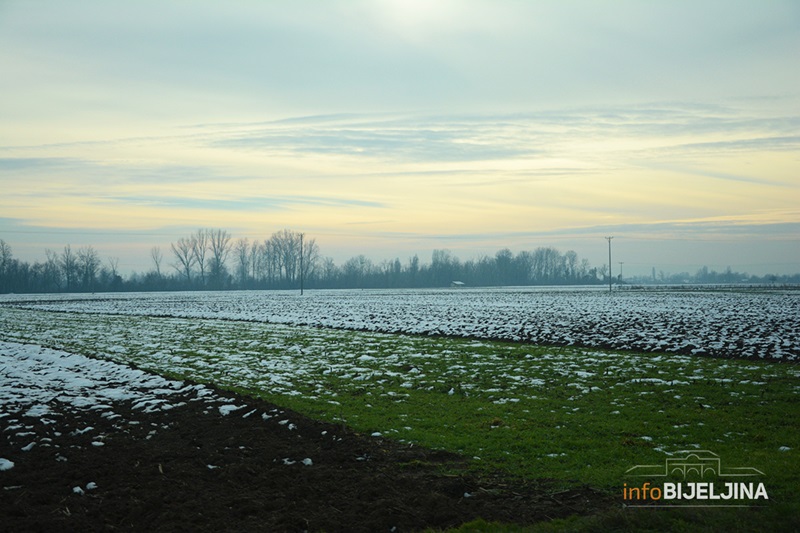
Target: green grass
x=578, y=416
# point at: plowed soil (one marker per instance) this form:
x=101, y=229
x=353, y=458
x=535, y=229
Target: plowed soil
x=195, y=468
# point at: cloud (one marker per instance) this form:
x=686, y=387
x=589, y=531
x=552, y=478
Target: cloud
x=248, y=203
x=758, y=144
x=397, y=140
x=699, y=230
x=559, y=168
x=499, y=150
x=267, y=59
x=16, y=164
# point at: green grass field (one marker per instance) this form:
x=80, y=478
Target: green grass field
x=578, y=416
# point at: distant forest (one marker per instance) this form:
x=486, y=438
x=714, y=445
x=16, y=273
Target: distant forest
x=210, y=259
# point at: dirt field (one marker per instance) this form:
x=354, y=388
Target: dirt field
x=196, y=467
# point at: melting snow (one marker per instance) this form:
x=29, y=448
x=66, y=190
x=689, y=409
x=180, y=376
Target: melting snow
x=225, y=410
x=648, y=321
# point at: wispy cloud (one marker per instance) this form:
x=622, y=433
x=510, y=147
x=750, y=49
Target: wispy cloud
x=467, y=138
x=250, y=203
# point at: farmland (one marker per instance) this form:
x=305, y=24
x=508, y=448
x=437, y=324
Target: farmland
x=569, y=386
x=743, y=324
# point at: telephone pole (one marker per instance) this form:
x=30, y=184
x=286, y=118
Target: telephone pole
x=609, y=262
x=301, y=264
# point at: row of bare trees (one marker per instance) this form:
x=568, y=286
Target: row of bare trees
x=79, y=270
x=282, y=260
x=203, y=255
x=210, y=258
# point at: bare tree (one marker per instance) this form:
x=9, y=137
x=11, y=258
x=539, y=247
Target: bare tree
x=219, y=244
x=271, y=264
x=523, y=263
x=546, y=262
x=329, y=270
x=52, y=270
x=199, y=248
x=286, y=247
x=155, y=255
x=356, y=269
x=88, y=264
x=184, y=256
x=5, y=256
x=256, y=260
x=69, y=266
x=310, y=258
x=571, y=265
x=5, y=264
x=242, y=250
x=113, y=266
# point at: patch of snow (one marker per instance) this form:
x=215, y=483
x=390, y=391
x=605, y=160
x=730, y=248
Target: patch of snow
x=37, y=411
x=225, y=410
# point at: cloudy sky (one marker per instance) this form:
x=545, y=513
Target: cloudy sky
x=397, y=127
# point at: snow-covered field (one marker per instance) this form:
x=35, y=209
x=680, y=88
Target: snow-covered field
x=383, y=384
x=746, y=324
x=328, y=366
x=39, y=387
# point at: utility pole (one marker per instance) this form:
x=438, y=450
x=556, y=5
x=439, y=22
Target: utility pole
x=609, y=262
x=301, y=264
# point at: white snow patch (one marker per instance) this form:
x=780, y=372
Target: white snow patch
x=37, y=411
x=225, y=410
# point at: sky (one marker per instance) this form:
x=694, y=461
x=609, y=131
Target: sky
x=395, y=127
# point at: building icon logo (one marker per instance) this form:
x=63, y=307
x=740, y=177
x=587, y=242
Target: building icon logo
x=721, y=486
x=702, y=463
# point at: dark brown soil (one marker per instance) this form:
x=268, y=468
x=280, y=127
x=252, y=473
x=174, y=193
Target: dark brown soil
x=192, y=469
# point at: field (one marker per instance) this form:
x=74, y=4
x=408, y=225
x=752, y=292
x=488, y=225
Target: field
x=745, y=324
x=551, y=392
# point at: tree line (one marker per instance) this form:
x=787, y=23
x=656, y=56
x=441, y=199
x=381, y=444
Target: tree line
x=211, y=259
